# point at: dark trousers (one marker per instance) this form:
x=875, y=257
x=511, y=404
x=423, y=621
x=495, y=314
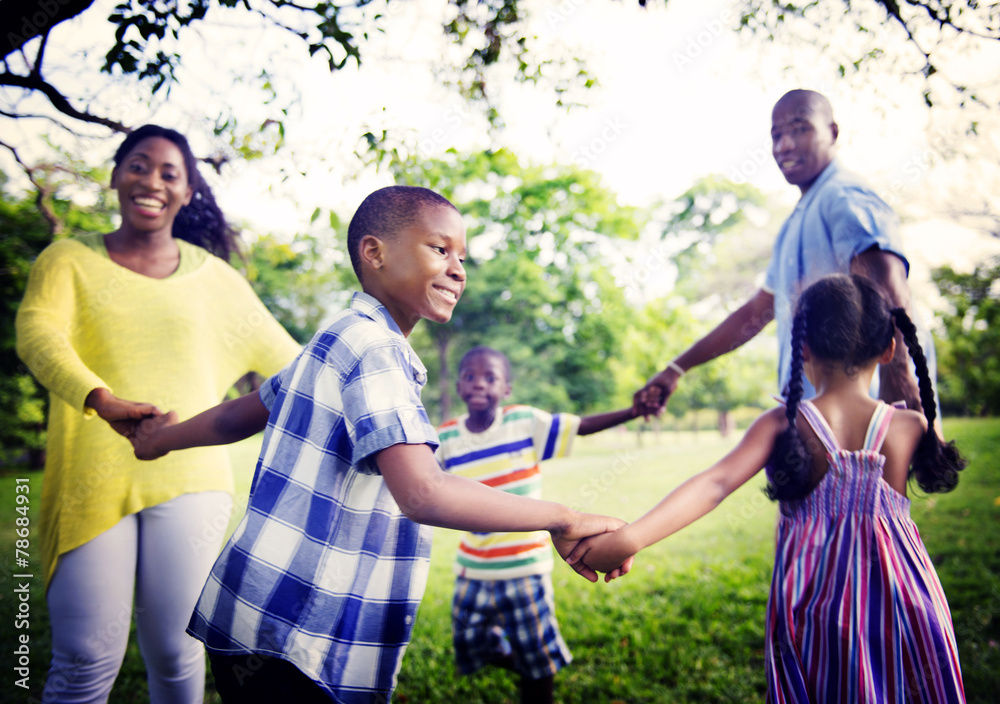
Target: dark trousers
x=259, y=679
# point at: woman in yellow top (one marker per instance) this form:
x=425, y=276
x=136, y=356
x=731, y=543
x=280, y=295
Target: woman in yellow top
x=151, y=311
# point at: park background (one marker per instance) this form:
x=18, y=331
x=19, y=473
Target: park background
x=613, y=166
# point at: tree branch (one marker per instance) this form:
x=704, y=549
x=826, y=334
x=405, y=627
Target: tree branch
x=26, y=116
x=41, y=199
x=23, y=20
x=58, y=100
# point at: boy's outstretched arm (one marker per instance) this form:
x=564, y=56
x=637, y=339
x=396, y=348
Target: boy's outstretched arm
x=226, y=423
x=688, y=502
x=426, y=494
x=602, y=421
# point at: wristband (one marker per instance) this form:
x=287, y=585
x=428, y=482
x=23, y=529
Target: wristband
x=676, y=367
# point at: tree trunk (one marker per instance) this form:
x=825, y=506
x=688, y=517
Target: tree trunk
x=725, y=423
x=444, y=379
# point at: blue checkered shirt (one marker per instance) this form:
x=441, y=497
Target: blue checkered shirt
x=324, y=570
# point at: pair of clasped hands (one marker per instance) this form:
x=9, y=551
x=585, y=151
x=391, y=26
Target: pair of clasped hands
x=134, y=420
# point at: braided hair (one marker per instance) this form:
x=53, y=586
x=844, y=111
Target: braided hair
x=936, y=464
x=200, y=222
x=846, y=319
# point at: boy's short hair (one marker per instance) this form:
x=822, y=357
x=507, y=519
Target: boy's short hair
x=490, y=352
x=387, y=211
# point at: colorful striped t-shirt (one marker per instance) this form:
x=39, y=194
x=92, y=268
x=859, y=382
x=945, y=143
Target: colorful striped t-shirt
x=506, y=456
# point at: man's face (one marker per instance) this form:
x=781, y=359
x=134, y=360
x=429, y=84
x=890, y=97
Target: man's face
x=803, y=137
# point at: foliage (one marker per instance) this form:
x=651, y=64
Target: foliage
x=148, y=35
x=718, y=254
x=969, y=356
x=537, y=287
x=26, y=232
x=23, y=402
x=301, y=281
x=719, y=251
x=928, y=26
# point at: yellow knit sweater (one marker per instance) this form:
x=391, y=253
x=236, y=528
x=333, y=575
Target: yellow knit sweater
x=179, y=342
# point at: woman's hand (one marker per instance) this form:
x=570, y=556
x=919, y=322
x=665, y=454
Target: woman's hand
x=124, y=416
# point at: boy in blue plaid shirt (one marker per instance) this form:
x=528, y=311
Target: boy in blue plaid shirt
x=314, y=597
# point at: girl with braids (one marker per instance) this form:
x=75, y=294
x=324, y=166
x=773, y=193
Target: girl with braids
x=856, y=611
x=151, y=311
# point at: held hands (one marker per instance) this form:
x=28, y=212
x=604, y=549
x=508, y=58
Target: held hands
x=123, y=416
x=652, y=398
x=567, y=543
x=603, y=553
x=144, y=439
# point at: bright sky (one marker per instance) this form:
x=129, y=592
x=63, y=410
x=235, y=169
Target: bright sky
x=680, y=96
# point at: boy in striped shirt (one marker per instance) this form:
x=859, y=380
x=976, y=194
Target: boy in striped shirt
x=503, y=611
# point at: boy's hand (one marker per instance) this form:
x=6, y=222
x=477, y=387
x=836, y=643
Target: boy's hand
x=144, y=438
x=582, y=526
x=609, y=553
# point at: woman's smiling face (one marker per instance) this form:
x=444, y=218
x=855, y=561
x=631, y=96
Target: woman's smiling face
x=152, y=184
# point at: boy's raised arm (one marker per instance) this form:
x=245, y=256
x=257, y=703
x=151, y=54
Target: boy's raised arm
x=226, y=423
x=426, y=494
x=602, y=421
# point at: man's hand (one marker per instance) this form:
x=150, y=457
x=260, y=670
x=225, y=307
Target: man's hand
x=652, y=398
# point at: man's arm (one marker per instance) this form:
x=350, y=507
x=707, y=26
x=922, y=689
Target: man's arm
x=740, y=327
x=888, y=272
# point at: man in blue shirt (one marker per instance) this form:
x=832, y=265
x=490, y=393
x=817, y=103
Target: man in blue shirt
x=839, y=225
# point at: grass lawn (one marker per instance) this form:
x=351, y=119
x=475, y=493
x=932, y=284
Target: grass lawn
x=686, y=626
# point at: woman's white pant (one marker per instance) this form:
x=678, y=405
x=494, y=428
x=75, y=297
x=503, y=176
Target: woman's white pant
x=158, y=561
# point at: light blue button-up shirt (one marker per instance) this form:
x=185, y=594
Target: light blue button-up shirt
x=837, y=218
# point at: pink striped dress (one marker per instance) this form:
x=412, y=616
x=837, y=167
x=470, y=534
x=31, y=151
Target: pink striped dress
x=856, y=611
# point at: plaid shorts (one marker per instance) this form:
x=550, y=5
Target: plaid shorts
x=508, y=617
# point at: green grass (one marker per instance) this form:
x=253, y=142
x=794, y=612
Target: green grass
x=688, y=624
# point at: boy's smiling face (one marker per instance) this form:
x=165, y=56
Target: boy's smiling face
x=482, y=383
x=419, y=272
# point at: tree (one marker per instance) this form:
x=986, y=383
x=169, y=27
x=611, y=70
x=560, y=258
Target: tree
x=537, y=285
x=489, y=32
x=719, y=253
x=969, y=356
x=928, y=26
x=302, y=280
x=148, y=34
